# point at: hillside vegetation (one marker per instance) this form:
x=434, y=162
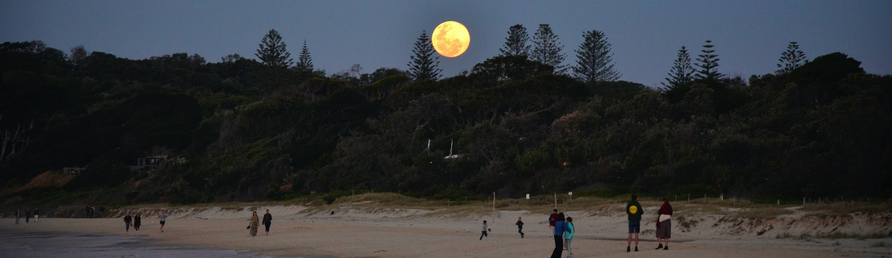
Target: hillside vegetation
x=237, y=130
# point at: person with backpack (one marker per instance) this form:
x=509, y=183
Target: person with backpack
x=634, y=211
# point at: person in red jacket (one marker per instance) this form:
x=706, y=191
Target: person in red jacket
x=664, y=224
x=552, y=219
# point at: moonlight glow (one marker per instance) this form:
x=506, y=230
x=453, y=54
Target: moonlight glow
x=451, y=39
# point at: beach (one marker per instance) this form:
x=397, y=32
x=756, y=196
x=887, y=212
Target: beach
x=365, y=230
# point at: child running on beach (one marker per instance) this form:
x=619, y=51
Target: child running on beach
x=519, y=227
x=484, y=231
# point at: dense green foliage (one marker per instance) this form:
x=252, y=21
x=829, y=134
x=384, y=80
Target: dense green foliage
x=250, y=132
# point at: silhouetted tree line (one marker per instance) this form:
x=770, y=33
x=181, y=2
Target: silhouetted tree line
x=514, y=124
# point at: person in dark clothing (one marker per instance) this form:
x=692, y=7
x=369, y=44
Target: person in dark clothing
x=664, y=224
x=519, y=227
x=137, y=221
x=560, y=226
x=127, y=220
x=27, y=216
x=36, y=215
x=633, y=209
x=18, y=214
x=267, y=219
x=552, y=219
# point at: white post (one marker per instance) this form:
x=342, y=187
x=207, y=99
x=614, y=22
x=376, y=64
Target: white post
x=493, y=207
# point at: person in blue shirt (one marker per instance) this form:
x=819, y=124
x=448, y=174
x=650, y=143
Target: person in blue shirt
x=560, y=226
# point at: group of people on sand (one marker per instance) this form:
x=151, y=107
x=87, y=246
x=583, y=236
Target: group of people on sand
x=136, y=221
x=563, y=228
x=664, y=223
x=252, y=226
x=27, y=214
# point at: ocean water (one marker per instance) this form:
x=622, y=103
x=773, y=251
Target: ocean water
x=26, y=245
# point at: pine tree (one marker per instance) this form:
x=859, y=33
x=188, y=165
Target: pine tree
x=594, y=62
x=682, y=71
x=273, y=52
x=516, y=42
x=424, y=65
x=708, y=63
x=305, y=62
x=790, y=59
x=547, y=49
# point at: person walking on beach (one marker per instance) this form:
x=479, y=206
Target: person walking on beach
x=127, y=220
x=568, y=236
x=252, y=226
x=162, y=218
x=633, y=209
x=137, y=221
x=267, y=219
x=36, y=215
x=484, y=231
x=17, y=215
x=552, y=219
x=560, y=226
x=519, y=227
x=664, y=224
x=27, y=215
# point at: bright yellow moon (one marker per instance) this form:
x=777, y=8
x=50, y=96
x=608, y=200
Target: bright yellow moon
x=451, y=39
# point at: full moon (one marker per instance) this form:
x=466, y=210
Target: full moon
x=451, y=39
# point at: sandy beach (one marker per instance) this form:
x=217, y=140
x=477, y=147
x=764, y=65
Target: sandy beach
x=363, y=229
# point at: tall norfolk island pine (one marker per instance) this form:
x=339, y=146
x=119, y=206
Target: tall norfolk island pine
x=594, y=63
x=516, y=42
x=304, y=61
x=709, y=63
x=790, y=59
x=273, y=52
x=682, y=71
x=424, y=65
x=547, y=49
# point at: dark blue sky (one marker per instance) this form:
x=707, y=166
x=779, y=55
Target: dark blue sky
x=748, y=35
